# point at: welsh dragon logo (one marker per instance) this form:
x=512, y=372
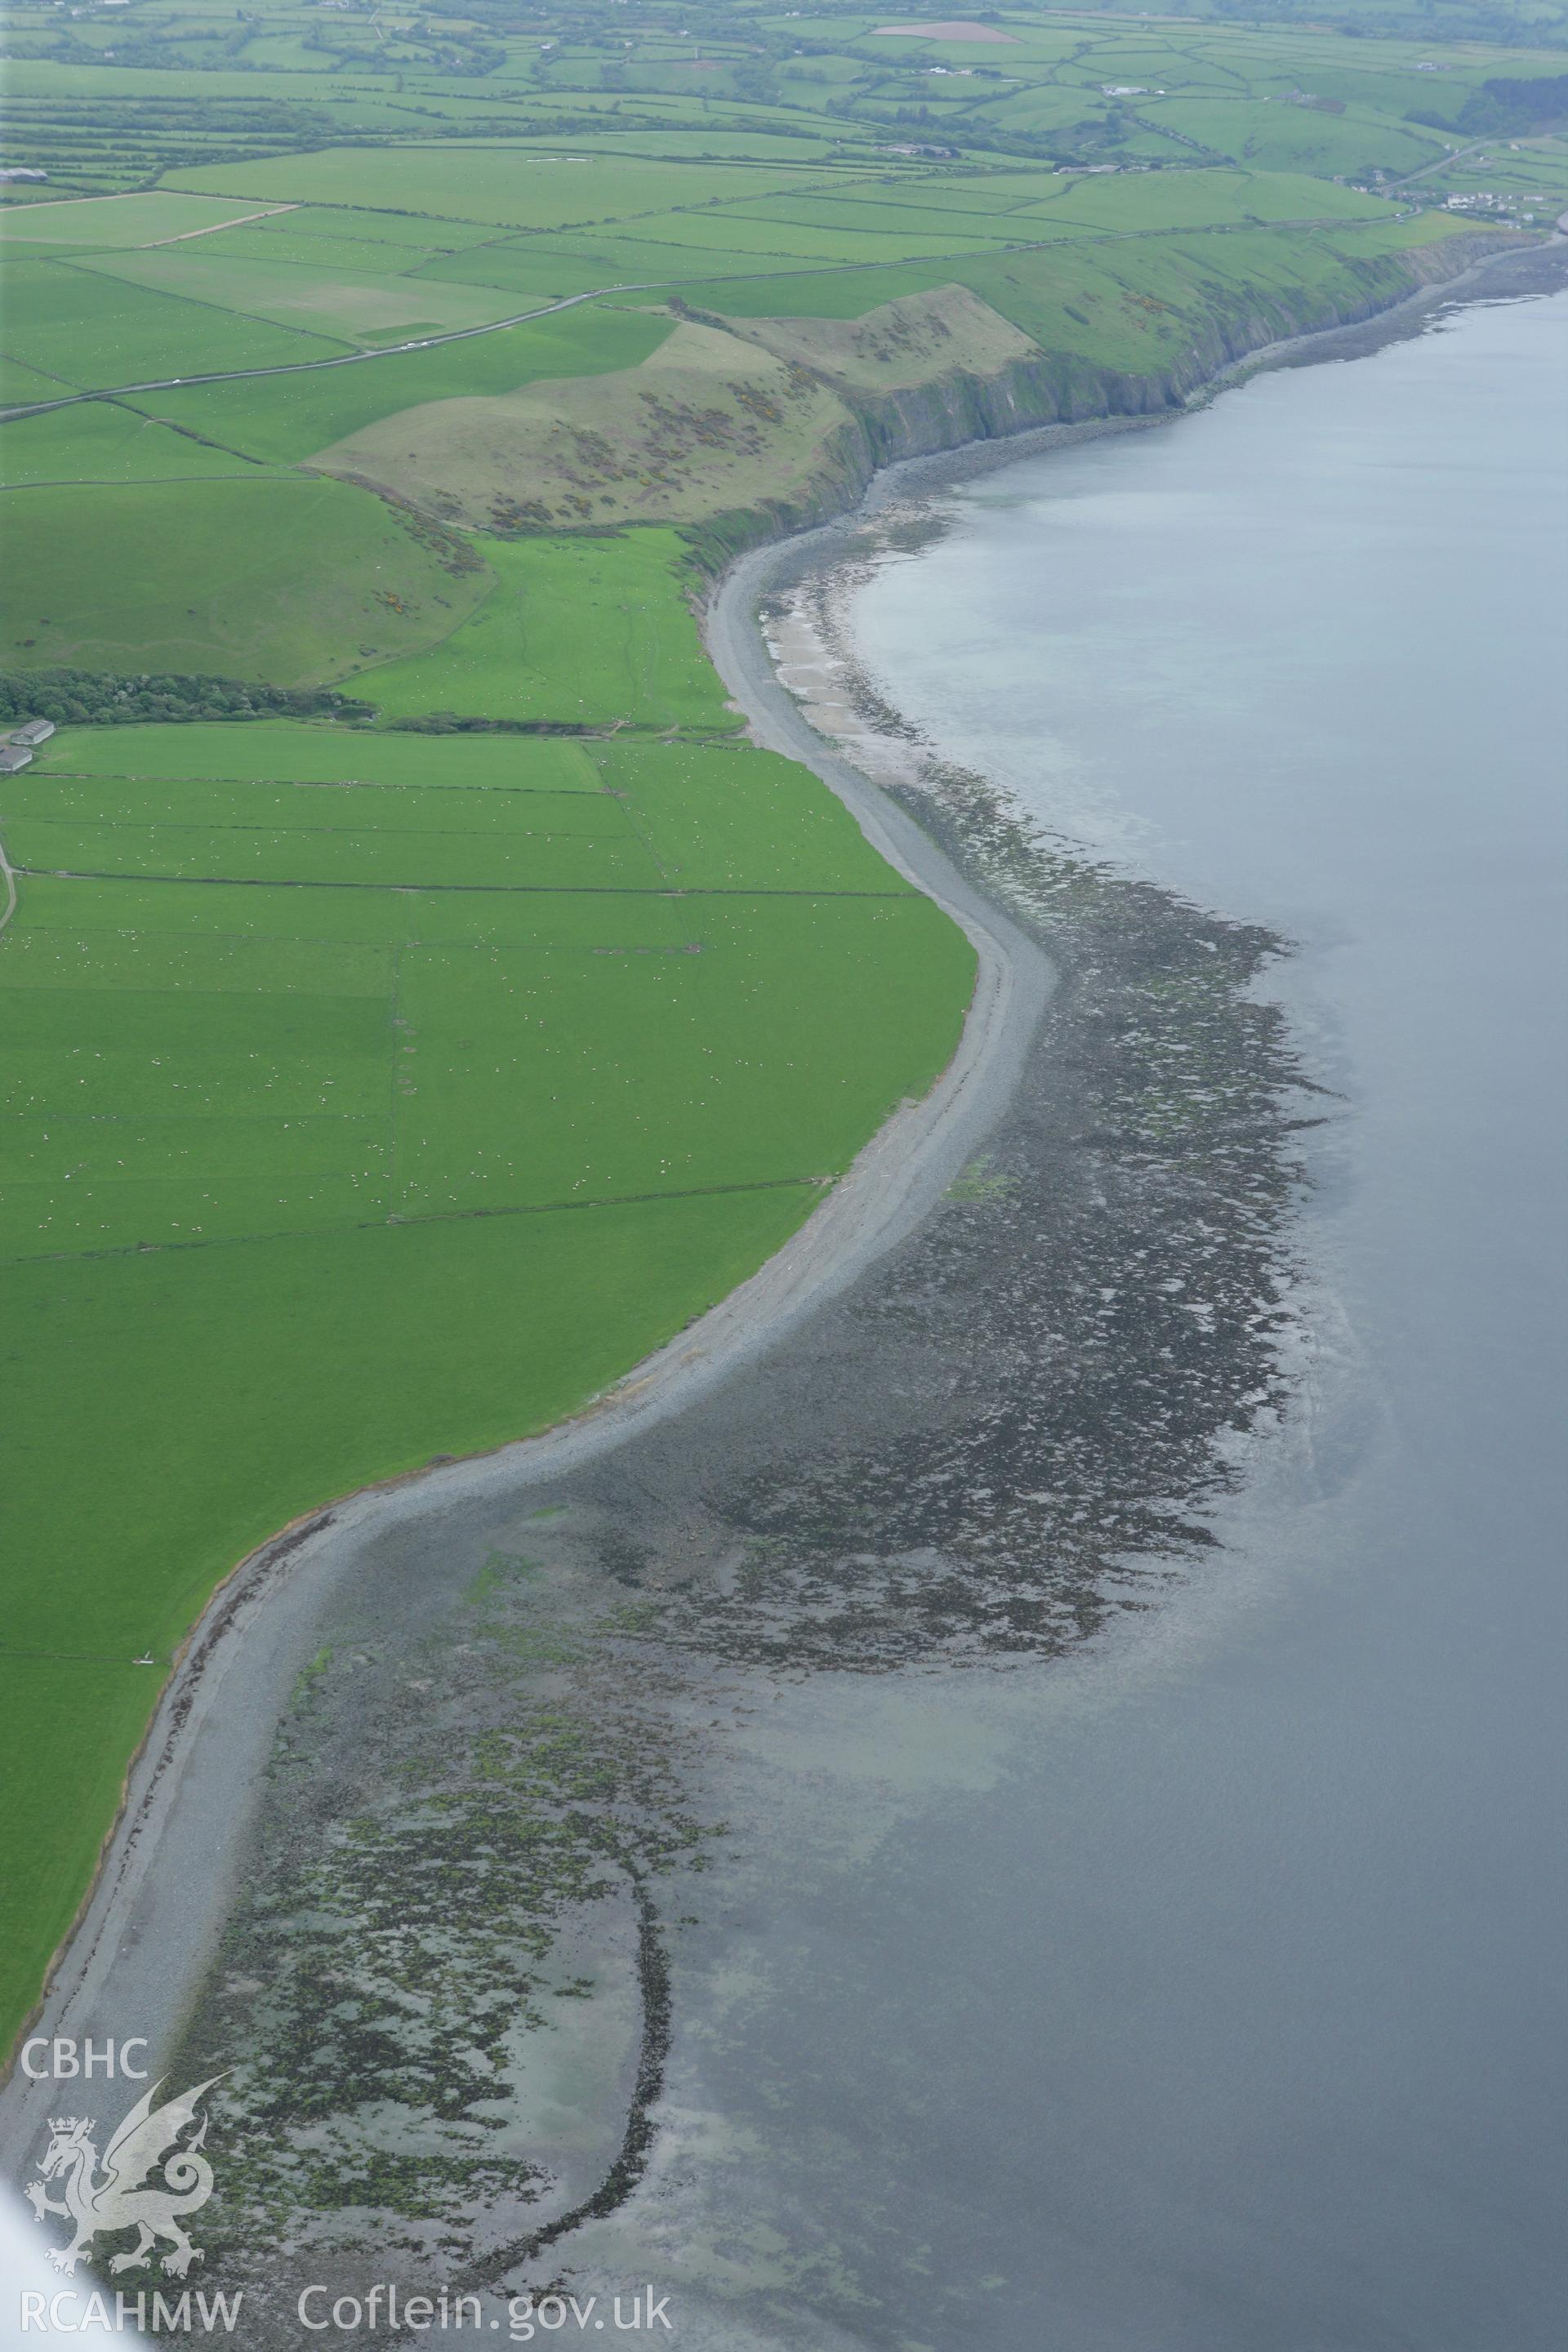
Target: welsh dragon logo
x=122, y=2195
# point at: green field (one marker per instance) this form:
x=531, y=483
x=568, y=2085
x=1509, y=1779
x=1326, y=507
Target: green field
x=320, y=755
x=1281, y=137
x=352, y=306
x=99, y=441
x=539, y=269
x=296, y=580
x=91, y=331
x=573, y=631
x=290, y=417
x=374, y=1090
x=209, y=1084
x=513, y=189
x=228, y=1389
x=111, y=222
x=21, y=385
x=559, y=1051
x=1186, y=200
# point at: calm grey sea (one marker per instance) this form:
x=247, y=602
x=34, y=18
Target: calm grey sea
x=1208, y=1994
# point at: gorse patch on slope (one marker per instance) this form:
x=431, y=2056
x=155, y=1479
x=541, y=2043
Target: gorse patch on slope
x=702, y=426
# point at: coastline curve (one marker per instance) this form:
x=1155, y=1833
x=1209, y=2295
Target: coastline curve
x=167, y=1867
x=166, y=1871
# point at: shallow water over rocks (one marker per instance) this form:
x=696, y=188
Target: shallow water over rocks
x=1022, y=1820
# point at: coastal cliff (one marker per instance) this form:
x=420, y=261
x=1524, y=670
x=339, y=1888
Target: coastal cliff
x=1037, y=387
x=736, y=427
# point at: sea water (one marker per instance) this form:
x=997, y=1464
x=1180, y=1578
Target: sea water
x=1208, y=1994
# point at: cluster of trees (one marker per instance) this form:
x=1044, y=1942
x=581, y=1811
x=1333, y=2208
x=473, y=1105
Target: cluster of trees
x=452, y=722
x=136, y=139
x=86, y=697
x=1510, y=104
x=453, y=50
x=1502, y=106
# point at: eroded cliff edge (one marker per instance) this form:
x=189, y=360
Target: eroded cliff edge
x=738, y=428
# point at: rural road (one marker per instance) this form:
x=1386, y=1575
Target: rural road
x=166, y=1879
x=309, y=367
x=1454, y=155
x=546, y=311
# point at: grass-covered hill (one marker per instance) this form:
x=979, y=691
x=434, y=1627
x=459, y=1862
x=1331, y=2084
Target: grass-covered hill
x=420, y=1000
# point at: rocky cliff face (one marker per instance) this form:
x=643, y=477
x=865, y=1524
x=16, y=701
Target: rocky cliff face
x=961, y=405
x=738, y=429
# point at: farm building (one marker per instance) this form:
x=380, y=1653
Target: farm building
x=35, y=731
x=13, y=759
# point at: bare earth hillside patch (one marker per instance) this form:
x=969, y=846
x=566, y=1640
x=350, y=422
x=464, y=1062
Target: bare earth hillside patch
x=708, y=424
x=917, y=340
